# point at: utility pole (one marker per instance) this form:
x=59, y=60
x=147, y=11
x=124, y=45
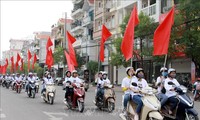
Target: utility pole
x=65, y=41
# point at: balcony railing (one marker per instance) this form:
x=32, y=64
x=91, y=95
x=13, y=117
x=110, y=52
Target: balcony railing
x=150, y=10
x=87, y=20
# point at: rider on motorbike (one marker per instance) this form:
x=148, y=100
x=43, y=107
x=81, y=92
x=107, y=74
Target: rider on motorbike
x=196, y=87
x=18, y=78
x=126, y=83
x=141, y=83
x=74, y=79
x=170, y=89
x=100, y=85
x=68, y=89
x=30, y=78
x=99, y=77
x=160, y=86
x=47, y=80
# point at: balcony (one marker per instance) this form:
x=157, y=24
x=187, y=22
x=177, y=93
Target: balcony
x=76, y=26
x=87, y=21
x=77, y=13
x=76, y=1
x=150, y=10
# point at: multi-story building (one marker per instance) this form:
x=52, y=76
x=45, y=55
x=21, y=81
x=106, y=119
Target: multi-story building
x=39, y=45
x=16, y=46
x=6, y=54
x=82, y=29
x=112, y=12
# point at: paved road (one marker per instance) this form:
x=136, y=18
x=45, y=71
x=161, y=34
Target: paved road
x=19, y=107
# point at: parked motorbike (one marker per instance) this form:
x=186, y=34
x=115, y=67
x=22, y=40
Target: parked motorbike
x=49, y=93
x=86, y=85
x=78, y=97
x=108, y=100
x=31, y=89
x=185, y=108
x=18, y=86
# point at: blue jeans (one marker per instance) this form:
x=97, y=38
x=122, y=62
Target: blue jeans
x=100, y=92
x=137, y=99
x=162, y=98
x=127, y=98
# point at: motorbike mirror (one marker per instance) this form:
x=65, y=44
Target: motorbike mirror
x=134, y=84
x=170, y=83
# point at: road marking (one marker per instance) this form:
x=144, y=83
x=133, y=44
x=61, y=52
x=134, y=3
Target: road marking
x=1, y=114
x=52, y=115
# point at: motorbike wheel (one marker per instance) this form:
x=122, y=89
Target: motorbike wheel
x=33, y=93
x=80, y=106
x=3, y=84
x=86, y=89
x=36, y=90
x=111, y=106
x=192, y=117
x=51, y=100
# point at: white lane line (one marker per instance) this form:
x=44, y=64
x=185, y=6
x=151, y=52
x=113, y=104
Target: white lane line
x=1, y=114
x=52, y=115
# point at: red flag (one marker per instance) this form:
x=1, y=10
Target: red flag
x=128, y=40
x=18, y=59
x=69, y=62
x=29, y=58
x=6, y=63
x=49, y=43
x=162, y=34
x=12, y=64
x=105, y=35
x=22, y=65
x=34, y=60
x=72, y=54
x=3, y=69
x=49, y=58
x=0, y=69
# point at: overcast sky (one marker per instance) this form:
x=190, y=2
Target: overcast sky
x=20, y=19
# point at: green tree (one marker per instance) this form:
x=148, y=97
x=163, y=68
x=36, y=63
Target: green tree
x=143, y=31
x=188, y=33
x=59, y=55
x=92, y=66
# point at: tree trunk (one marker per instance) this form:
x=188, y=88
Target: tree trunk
x=116, y=75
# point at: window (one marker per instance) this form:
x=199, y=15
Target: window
x=152, y=2
x=113, y=21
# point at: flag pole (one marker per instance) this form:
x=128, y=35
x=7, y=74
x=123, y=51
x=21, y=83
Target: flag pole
x=165, y=60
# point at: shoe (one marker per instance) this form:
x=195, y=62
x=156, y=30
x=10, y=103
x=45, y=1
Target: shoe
x=136, y=117
x=123, y=115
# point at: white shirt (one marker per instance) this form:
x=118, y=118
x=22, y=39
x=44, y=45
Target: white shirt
x=75, y=80
x=18, y=79
x=140, y=85
x=103, y=82
x=67, y=79
x=31, y=79
x=161, y=80
x=126, y=82
x=48, y=80
x=168, y=87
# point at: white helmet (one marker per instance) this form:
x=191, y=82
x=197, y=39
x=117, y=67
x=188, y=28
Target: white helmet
x=138, y=70
x=171, y=70
x=127, y=69
x=74, y=71
x=104, y=73
x=163, y=69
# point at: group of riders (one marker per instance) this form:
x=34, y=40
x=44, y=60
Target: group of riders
x=165, y=93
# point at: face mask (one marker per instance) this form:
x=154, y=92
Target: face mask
x=140, y=76
x=164, y=74
x=173, y=75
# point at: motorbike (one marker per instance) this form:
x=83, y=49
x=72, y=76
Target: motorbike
x=6, y=83
x=37, y=86
x=23, y=84
x=185, y=108
x=31, y=89
x=108, y=100
x=197, y=97
x=151, y=106
x=86, y=85
x=78, y=97
x=13, y=85
x=49, y=93
x=18, y=86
